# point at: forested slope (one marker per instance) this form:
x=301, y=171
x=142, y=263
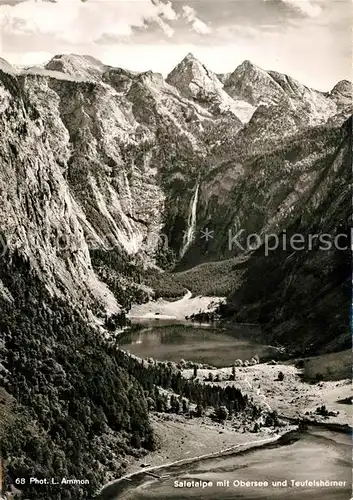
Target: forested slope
x=74, y=411
x=303, y=297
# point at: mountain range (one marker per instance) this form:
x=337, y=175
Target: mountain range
x=99, y=157
x=113, y=182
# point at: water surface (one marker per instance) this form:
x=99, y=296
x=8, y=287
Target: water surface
x=198, y=343
x=318, y=454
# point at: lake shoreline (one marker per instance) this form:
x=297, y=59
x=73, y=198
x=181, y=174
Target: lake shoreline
x=184, y=441
x=179, y=436
x=106, y=492
x=283, y=439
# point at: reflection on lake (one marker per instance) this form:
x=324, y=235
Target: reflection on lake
x=201, y=344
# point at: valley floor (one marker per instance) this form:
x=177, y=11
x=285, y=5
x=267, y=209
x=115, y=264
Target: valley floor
x=290, y=397
x=183, y=438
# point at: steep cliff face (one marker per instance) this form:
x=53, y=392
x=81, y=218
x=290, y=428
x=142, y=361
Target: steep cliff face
x=81, y=166
x=303, y=297
x=341, y=94
x=37, y=209
x=261, y=176
x=261, y=193
x=97, y=166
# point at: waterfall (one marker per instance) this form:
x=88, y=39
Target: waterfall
x=190, y=233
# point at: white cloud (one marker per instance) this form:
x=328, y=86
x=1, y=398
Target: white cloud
x=190, y=14
x=200, y=27
x=166, y=11
x=167, y=30
x=69, y=26
x=309, y=8
x=77, y=22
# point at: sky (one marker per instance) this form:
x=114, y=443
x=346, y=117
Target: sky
x=308, y=39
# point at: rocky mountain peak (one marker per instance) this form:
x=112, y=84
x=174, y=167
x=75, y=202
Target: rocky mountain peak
x=195, y=81
x=5, y=66
x=341, y=95
x=254, y=85
x=190, y=74
x=152, y=77
x=190, y=57
x=343, y=88
x=248, y=66
x=81, y=66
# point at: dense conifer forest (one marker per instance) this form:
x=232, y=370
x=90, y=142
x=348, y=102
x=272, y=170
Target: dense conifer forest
x=75, y=412
x=72, y=404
